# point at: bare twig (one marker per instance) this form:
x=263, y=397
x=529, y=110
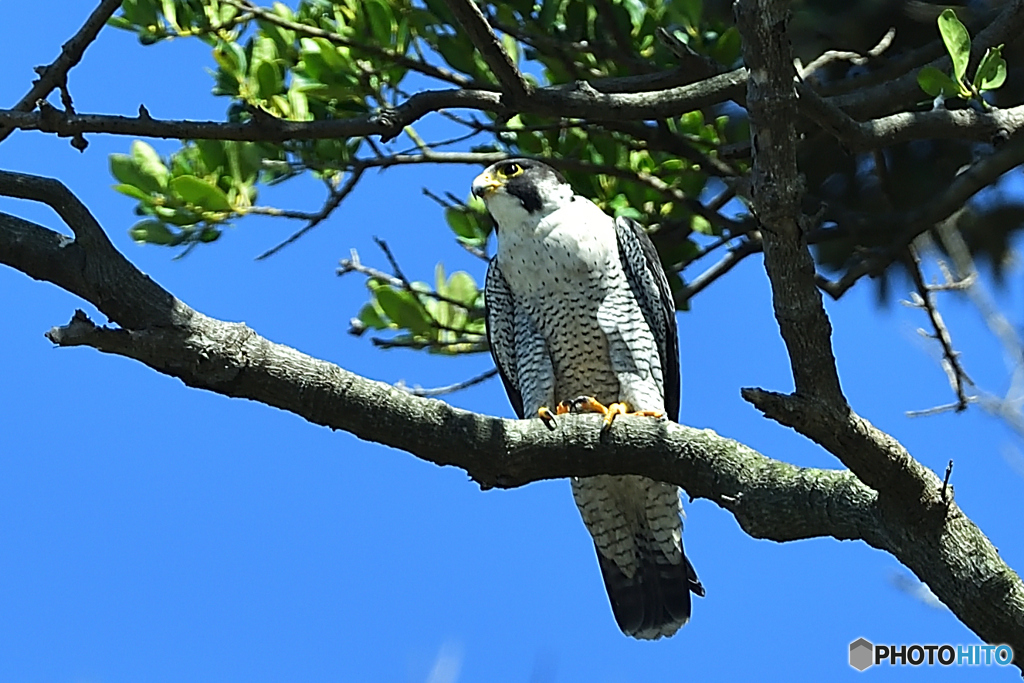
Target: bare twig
x=945, y=479
x=924, y=299
x=56, y=73
x=335, y=198
x=451, y=388
x=457, y=346
x=354, y=265
x=394, y=264
x=856, y=58
x=938, y=410
x=751, y=245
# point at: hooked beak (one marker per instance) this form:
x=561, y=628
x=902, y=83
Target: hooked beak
x=484, y=185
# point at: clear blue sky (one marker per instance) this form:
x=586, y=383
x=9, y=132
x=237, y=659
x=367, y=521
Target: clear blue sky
x=152, y=532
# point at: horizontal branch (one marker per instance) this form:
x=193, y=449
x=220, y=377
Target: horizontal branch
x=770, y=499
x=581, y=100
x=993, y=125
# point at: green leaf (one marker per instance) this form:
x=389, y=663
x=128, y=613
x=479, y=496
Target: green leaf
x=170, y=14
x=124, y=168
x=121, y=23
x=727, y=48
x=511, y=46
x=462, y=288
x=149, y=162
x=152, y=232
x=330, y=54
x=180, y=217
x=134, y=192
x=957, y=40
x=440, y=281
x=381, y=20
x=230, y=57
x=268, y=79
x=440, y=10
x=200, y=193
x=992, y=70
x=702, y=225
x=140, y=12
x=299, y=105
x=934, y=82
x=549, y=10
x=458, y=52
x=466, y=226
x=404, y=311
x=692, y=10
x=264, y=49
x=368, y=318
x=212, y=153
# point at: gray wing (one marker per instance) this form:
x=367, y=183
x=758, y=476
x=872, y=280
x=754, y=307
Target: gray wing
x=518, y=349
x=650, y=286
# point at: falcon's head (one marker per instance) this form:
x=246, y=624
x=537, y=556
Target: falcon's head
x=521, y=190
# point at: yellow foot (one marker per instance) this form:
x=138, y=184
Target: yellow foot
x=545, y=414
x=589, y=404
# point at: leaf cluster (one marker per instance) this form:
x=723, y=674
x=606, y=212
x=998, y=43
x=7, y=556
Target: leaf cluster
x=990, y=74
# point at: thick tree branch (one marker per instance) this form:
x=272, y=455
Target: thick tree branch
x=770, y=499
x=777, y=188
x=906, y=489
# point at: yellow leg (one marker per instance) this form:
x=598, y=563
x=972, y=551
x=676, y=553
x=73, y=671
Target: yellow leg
x=545, y=414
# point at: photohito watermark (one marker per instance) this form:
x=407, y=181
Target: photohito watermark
x=864, y=654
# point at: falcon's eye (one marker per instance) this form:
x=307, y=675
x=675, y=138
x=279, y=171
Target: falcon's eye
x=510, y=170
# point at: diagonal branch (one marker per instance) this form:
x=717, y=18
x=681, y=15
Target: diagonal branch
x=334, y=200
x=482, y=36
x=974, y=179
x=56, y=73
x=925, y=299
x=818, y=408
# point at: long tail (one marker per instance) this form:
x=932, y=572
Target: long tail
x=655, y=602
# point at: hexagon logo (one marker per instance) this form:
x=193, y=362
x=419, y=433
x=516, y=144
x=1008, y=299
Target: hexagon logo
x=862, y=654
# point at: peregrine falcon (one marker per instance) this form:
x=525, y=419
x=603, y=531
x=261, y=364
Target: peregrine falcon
x=580, y=316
